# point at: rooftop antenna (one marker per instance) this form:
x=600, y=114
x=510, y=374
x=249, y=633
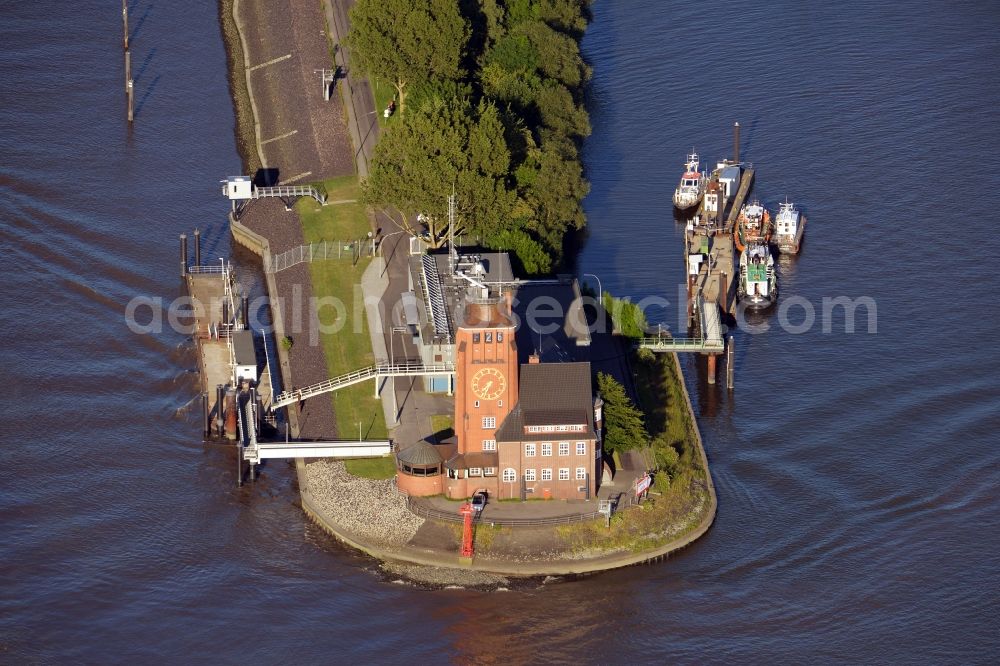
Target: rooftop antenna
x=451, y=231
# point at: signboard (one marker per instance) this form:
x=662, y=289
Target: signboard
x=642, y=485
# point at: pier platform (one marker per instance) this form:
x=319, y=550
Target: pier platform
x=208, y=291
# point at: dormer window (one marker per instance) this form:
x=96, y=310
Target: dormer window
x=489, y=337
x=475, y=338
x=499, y=337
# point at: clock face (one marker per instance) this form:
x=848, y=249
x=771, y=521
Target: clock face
x=488, y=384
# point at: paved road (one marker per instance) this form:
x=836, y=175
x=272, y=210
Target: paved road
x=360, y=103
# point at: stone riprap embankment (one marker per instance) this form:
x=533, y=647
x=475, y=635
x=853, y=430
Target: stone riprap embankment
x=363, y=506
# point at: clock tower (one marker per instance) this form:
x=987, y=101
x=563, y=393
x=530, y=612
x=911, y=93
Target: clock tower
x=486, y=383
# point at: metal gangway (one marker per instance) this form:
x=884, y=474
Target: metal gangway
x=241, y=191
x=328, y=449
x=288, y=193
x=711, y=341
x=255, y=451
x=377, y=372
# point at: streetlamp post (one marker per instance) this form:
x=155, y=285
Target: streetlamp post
x=392, y=360
x=381, y=244
x=600, y=290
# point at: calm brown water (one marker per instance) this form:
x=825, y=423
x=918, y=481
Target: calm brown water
x=857, y=473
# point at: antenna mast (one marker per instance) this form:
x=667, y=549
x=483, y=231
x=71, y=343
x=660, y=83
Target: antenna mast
x=451, y=232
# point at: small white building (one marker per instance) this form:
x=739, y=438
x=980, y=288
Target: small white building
x=238, y=188
x=246, y=356
x=729, y=178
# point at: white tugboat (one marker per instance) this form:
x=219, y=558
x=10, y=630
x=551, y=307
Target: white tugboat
x=789, y=225
x=758, y=286
x=692, y=185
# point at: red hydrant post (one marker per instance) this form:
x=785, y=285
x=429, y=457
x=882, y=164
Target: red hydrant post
x=466, y=512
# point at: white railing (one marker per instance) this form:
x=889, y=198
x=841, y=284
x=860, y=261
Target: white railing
x=204, y=270
x=288, y=191
x=382, y=369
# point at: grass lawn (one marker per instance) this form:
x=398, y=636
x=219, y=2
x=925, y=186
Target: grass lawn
x=372, y=468
x=662, y=401
x=383, y=92
x=349, y=348
x=443, y=426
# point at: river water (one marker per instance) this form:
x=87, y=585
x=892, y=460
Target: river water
x=856, y=472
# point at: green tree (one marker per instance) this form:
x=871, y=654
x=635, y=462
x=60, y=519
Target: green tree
x=624, y=426
x=628, y=318
x=557, y=54
x=666, y=456
x=534, y=258
x=445, y=145
x=408, y=41
x=553, y=192
x=559, y=111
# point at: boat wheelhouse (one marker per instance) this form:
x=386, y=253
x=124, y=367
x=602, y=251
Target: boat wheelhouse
x=691, y=186
x=789, y=226
x=752, y=226
x=758, y=285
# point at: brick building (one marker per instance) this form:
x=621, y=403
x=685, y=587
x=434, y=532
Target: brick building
x=521, y=430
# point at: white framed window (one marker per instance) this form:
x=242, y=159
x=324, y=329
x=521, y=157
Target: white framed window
x=489, y=445
x=499, y=403
x=581, y=448
x=564, y=473
x=477, y=404
x=489, y=471
x=510, y=475
x=581, y=473
x=546, y=474
x=529, y=450
x=475, y=471
x=489, y=423
x=564, y=448
x=489, y=337
x=546, y=448
x=529, y=475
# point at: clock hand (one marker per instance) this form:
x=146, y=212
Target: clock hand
x=487, y=386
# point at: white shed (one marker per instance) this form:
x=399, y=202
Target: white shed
x=238, y=188
x=246, y=356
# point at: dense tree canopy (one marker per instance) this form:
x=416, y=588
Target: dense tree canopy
x=408, y=41
x=445, y=145
x=624, y=425
x=496, y=116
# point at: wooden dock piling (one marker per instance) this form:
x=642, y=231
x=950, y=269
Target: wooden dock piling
x=206, y=416
x=730, y=358
x=736, y=142
x=125, y=21
x=197, y=247
x=220, y=422
x=184, y=254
